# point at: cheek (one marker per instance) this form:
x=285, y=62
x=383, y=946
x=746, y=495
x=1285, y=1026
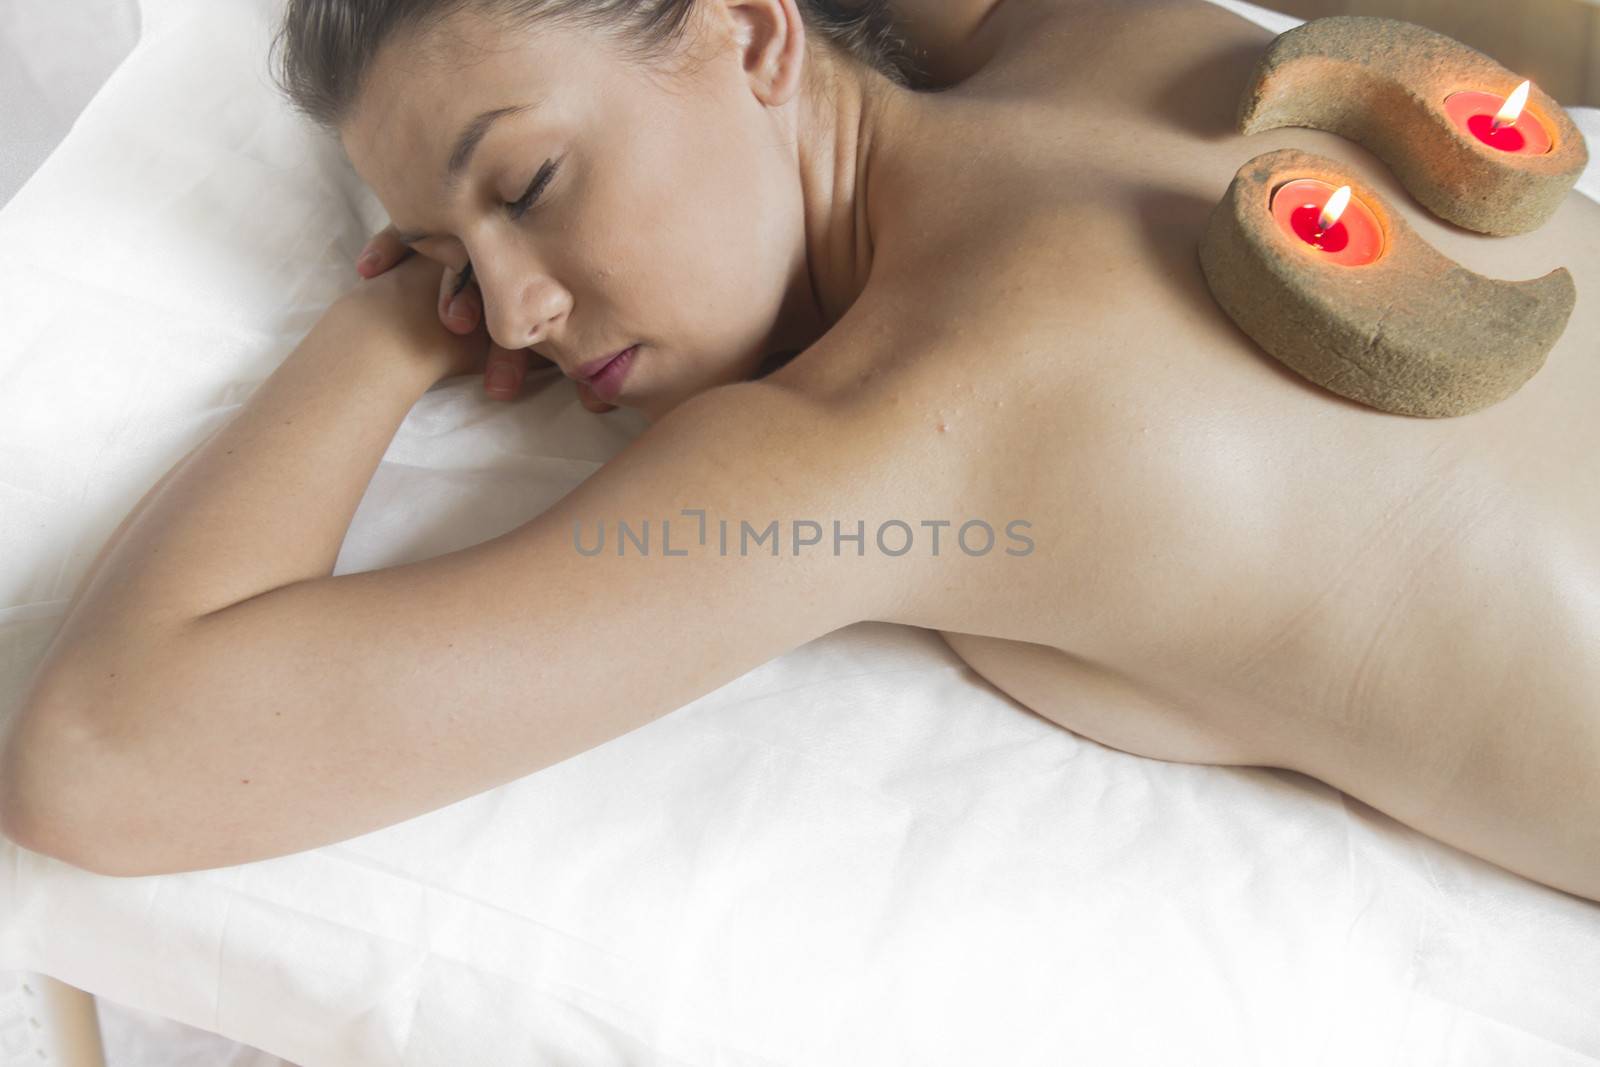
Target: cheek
x=722, y=231
x=718, y=260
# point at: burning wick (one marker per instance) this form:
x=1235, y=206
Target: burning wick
x=1501, y=123
x=1333, y=209
x=1330, y=220
x=1511, y=110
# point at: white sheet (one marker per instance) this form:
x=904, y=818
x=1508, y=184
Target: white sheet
x=53, y=58
x=858, y=853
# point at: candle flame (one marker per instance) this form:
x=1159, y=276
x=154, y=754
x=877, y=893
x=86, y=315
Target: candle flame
x=1334, y=208
x=1511, y=110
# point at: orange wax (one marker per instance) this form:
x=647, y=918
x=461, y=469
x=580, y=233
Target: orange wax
x=1473, y=113
x=1355, y=239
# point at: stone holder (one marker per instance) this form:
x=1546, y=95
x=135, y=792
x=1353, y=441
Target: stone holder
x=1382, y=83
x=1412, y=333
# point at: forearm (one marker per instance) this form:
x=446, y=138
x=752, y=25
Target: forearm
x=265, y=502
x=128, y=520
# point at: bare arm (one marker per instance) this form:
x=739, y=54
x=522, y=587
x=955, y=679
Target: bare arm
x=263, y=502
x=333, y=706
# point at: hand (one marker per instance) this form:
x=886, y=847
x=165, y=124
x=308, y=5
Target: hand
x=460, y=315
x=416, y=294
x=396, y=312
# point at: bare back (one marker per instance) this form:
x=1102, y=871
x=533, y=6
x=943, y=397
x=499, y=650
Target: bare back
x=1231, y=564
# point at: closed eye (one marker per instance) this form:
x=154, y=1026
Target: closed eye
x=542, y=179
x=516, y=210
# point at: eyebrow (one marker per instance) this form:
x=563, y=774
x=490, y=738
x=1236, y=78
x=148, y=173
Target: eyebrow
x=461, y=155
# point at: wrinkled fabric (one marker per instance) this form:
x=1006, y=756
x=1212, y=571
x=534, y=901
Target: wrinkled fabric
x=858, y=853
x=53, y=58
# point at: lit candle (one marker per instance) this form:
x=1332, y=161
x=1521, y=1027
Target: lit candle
x=1340, y=227
x=1498, y=123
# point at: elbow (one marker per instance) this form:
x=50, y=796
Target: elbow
x=46, y=839
x=53, y=785
x=27, y=830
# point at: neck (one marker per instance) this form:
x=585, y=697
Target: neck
x=842, y=125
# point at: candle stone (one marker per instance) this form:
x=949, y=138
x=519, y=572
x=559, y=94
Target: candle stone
x=1412, y=333
x=1382, y=83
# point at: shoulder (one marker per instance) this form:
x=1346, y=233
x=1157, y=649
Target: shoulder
x=949, y=39
x=745, y=473
x=1031, y=47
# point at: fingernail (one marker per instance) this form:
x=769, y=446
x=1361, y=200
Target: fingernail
x=368, y=261
x=461, y=309
x=502, y=379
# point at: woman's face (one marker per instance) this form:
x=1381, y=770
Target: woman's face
x=667, y=210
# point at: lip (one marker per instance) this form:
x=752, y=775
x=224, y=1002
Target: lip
x=589, y=370
x=607, y=383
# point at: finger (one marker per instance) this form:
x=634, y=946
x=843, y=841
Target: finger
x=505, y=372
x=382, y=251
x=458, y=311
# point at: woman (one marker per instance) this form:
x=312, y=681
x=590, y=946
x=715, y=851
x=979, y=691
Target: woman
x=994, y=296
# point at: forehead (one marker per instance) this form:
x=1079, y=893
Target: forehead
x=424, y=86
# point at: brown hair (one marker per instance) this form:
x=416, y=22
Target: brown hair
x=328, y=45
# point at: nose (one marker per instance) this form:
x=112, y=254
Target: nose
x=523, y=307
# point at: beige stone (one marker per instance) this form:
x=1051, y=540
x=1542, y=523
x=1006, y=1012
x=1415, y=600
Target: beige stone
x=1382, y=83
x=1412, y=333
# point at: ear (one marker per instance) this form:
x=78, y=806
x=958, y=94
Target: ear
x=770, y=38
